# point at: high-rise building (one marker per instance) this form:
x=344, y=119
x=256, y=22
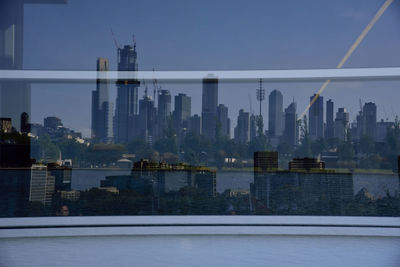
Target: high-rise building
x=127, y=95
x=195, y=124
x=275, y=116
x=62, y=176
x=164, y=111
x=182, y=111
x=15, y=96
x=382, y=129
x=329, y=132
x=25, y=125
x=242, y=130
x=102, y=128
x=42, y=185
x=360, y=126
x=291, y=132
x=316, y=118
x=341, y=125
x=52, y=122
x=209, y=107
x=147, y=118
x=223, y=120
x=369, y=119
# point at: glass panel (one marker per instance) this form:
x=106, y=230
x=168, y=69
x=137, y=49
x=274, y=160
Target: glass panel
x=149, y=107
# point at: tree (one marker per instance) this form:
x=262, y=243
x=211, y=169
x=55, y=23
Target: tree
x=103, y=154
x=318, y=146
x=168, y=142
x=366, y=145
x=346, y=150
x=70, y=149
x=140, y=148
x=48, y=150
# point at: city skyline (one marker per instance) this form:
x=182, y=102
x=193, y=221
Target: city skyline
x=317, y=40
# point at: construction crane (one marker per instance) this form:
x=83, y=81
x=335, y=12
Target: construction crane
x=117, y=45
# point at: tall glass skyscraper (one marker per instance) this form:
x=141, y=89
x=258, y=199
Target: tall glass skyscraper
x=15, y=96
x=316, y=118
x=102, y=128
x=127, y=94
x=209, y=107
x=329, y=133
x=275, y=117
x=369, y=120
x=164, y=110
x=290, y=134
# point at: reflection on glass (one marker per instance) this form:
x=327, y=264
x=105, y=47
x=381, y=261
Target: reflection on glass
x=149, y=147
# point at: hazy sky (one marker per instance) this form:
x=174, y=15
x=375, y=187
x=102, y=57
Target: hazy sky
x=210, y=35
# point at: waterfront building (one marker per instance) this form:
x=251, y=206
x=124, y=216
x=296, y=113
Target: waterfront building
x=159, y=178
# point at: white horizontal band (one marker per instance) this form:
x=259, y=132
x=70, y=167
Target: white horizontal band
x=222, y=75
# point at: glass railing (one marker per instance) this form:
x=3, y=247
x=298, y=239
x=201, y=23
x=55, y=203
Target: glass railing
x=246, y=109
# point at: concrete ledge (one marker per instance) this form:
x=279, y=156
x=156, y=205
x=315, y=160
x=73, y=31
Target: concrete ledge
x=199, y=225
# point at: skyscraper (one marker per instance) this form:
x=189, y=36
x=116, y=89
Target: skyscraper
x=329, y=133
x=195, y=124
x=275, y=116
x=242, y=130
x=127, y=94
x=209, y=107
x=25, y=125
x=316, y=118
x=369, y=118
x=223, y=120
x=182, y=111
x=15, y=96
x=164, y=111
x=102, y=128
x=341, y=124
x=147, y=118
x=290, y=134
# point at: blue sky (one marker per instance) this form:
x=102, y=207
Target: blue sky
x=209, y=35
